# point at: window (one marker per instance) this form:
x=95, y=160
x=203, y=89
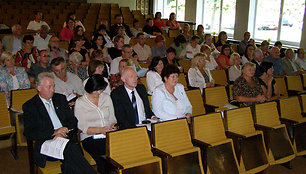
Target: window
x=279, y=20
x=214, y=15
x=168, y=6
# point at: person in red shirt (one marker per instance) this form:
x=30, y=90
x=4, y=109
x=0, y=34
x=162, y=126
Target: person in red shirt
x=158, y=22
x=223, y=58
x=67, y=32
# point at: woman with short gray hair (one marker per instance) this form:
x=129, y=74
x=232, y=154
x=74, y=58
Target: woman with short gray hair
x=75, y=60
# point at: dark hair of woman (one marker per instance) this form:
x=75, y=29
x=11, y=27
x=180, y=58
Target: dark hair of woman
x=171, y=50
x=266, y=66
x=67, y=21
x=224, y=47
x=168, y=70
x=92, y=66
x=220, y=34
x=157, y=13
x=170, y=16
x=95, y=38
x=95, y=83
x=154, y=63
x=179, y=39
x=246, y=50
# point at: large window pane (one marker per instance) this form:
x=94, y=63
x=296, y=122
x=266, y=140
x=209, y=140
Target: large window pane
x=228, y=16
x=180, y=10
x=211, y=15
x=170, y=6
x=292, y=21
x=267, y=17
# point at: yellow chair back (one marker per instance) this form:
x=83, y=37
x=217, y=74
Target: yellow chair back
x=219, y=76
x=182, y=80
x=19, y=97
x=185, y=64
x=216, y=96
x=240, y=121
x=290, y=109
x=294, y=83
x=196, y=101
x=281, y=86
x=267, y=114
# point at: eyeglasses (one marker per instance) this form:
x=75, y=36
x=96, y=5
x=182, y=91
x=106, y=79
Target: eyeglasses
x=45, y=55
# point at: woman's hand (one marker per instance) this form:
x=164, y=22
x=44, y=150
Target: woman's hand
x=270, y=79
x=260, y=98
x=209, y=85
x=105, y=129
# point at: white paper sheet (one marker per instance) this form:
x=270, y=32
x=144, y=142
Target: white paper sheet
x=54, y=148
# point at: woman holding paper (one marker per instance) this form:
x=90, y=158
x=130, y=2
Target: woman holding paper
x=95, y=114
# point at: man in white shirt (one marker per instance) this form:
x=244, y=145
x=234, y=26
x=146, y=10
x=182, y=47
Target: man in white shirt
x=41, y=39
x=193, y=47
x=66, y=83
x=35, y=25
x=130, y=100
x=126, y=54
x=13, y=43
x=143, y=51
x=300, y=58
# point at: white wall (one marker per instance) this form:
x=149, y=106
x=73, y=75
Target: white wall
x=122, y=3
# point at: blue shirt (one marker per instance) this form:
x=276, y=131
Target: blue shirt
x=277, y=65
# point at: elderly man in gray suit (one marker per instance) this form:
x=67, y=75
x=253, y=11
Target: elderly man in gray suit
x=13, y=43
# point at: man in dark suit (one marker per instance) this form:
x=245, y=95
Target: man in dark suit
x=130, y=100
x=47, y=116
x=119, y=22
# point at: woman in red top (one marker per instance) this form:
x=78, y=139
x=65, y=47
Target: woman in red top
x=223, y=58
x=157, y=21
x=67, y=32
x=172, y=23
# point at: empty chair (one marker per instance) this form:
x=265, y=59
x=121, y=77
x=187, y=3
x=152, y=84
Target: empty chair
x=217, y=97
x=278, y=144
x=216, y=149
x=196, y=101
x=219, y=76
x=5, y=124
x=249, y=143
x=182, y=80
x=172, y=142
x=290, y=114
x=281, y=86
x=185, y=64
x=129, y=151
x=294, y=84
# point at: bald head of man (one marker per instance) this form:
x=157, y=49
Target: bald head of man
x=129, y=77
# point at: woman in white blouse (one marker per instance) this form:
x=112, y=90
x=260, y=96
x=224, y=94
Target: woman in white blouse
x=97, y=67
x=198, y=75
x=235, y=70
x=153, y=75
x=95, y=114
x=211, y=63
x=169, y=101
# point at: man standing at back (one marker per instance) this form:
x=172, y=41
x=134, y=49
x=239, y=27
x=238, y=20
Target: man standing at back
x=47, y=116
x=130, y=100
x=119, y=22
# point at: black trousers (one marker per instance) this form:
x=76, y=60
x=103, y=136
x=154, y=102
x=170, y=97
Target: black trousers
x=74, y=162
x=96, y=148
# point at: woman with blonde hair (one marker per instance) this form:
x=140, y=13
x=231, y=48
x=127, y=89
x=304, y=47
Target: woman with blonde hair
x=211, y=63
x=247, y=90
x=198, y=75
x=235, y=69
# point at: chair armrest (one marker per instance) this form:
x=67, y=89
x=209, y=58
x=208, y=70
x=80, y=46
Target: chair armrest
x=292, y=92
x=210, y=108
x=160, y=153
x=287, y=121
x=200, y=143
x=262, y=127
x=112, y=162
x=234, y=135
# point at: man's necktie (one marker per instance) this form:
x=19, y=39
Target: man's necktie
x=52, y=114
x=135, y=107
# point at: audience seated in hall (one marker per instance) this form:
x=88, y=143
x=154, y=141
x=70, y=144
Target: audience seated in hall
x=12, y=77
x=130, y=101
x=290, y=67
x=248, y=54
x=193, y=47
x=169, y=100
x=71, y=15
x=159, y=49
x=121, y=32
x=235, y=69
x=153, y=77
x=77, y=44
x=13, y=43
x=151, y=29
x=222, y=40
x=276, y=60
x=41, y=66
x=300, y=59
x=172, y=22
x=143, y=51
x=200, y=34
x=55, y=51
x=180, y=46
x=48, y=116
x=185, y=32
x=41, y=39
x=115, y=79
x=35, y=25
x=116, y=51
x=247, y=90
x=97, y=67
x=80, y=32
x=136, y=29
x=158, y=22
x=67, y=32
x=66, y=83
x=209, y=41
x=74, y=67
x=223, y=58
x=102, y=30
x=98, y=43
x=100, y=56
x=265, y=48
x=27, y=56
x=281, y=50
x=198, y=75
x=170, y=58
x=95, y=114
x=211, y=63
x=257, y=59
x=119, y=22
x=243, y=44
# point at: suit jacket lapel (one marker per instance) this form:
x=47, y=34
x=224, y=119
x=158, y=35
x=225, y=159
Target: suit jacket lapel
x=127, y=101
x=43, y=111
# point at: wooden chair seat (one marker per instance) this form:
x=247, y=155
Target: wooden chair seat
x=140, y=162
